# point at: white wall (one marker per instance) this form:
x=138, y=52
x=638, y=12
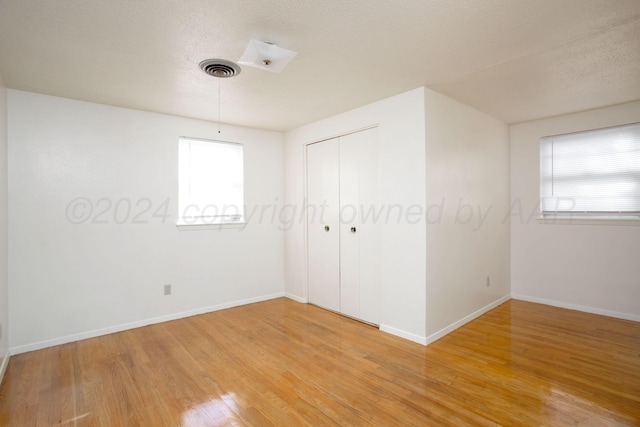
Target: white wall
x=467, y=188
x=588, y=267
x=4, y=265
x=70, y=281
x=401, y=129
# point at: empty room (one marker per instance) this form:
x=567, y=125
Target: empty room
x=282, y=213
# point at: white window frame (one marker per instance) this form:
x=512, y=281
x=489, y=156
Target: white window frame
x=210, y=196
x=591, y=175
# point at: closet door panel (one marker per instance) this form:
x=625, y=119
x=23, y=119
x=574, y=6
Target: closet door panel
x=323, y=245
x=349, y=233
x=370, y=222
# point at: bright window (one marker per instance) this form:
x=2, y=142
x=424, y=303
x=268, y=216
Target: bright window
x=593, y=173
x=211, y=184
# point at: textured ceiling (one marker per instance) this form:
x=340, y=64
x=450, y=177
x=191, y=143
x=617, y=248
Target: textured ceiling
x=517, y=60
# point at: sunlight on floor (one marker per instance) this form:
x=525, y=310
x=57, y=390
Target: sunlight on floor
x=217, y=412
x=566, y=408
x=74, y=420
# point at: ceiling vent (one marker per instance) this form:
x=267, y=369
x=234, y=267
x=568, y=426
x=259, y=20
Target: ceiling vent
x=220, y=68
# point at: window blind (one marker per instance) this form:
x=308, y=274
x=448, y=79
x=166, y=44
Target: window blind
x=211, y=184
x=594, y=172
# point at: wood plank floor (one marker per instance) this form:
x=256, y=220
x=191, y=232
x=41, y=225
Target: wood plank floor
x=286, y=364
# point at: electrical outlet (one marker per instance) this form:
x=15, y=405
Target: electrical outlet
x=488, y=280
x=167, y=289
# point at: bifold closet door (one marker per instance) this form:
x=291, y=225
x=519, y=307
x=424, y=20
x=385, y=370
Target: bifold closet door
x=342, y=225
x=359, y=261
x=323, y=225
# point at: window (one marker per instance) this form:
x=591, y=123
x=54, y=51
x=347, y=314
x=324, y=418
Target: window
x=593, y=174
x=211, y=188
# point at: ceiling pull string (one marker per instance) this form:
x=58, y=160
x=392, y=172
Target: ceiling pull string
x=220, y=69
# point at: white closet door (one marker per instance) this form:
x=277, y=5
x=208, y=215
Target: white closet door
x=323, y=207
x=370, y=222
x=359, y=256
x=349, y=224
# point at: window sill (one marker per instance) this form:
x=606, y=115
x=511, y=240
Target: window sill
x=221, y=226
x=588, y=220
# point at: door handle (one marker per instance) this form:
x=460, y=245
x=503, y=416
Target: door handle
x=353, y=229
x=326, y=228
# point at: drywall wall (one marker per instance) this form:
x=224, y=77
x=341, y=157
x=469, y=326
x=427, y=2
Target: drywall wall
x=89, y=250
x=467, y=193
x=590, y=267
x=400, y=121
x=4, y=265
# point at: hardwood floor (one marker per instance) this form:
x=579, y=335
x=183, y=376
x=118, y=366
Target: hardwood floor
x=284, y=363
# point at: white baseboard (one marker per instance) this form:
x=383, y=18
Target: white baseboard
x=444, y=331
x=296, y=298
x=123, y=327
x=385, y=328
x=592, y=310
x=403, y=334
x=455, y=325
x=5, y=363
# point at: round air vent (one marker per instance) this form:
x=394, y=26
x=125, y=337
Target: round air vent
x=220, y=68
